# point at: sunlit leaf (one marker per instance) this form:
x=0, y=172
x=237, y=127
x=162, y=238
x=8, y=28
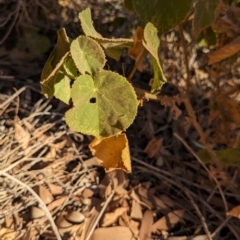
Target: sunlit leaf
x=112, y=153
x=54, y=62
x=62, y=87
x=113, y=47
x=104, y=105
x=70, y=68
x=87, y=55
x=152, y=44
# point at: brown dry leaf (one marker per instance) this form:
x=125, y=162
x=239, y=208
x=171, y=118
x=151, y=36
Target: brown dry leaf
x=51, y=154
x=61, y=222
x=57, y=203
x=176, y=112
x=75, y=217
x=168, y=221
x=7, y=234
x=235, y=212
x=153, y=147
x=136, y=211
x=55, y=189
x=88, y=224
x=45, y=194
x=224, y=52
x=112, y=217
x=230, y=109
x=112, y=233
x=36, y=212
x=87, y=193
x=147, y=196
x=22, y=136
x=137, y=49
x=134, y=226
x=146, y=224
x=112, y=153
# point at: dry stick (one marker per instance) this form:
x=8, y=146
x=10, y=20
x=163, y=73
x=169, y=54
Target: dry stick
x=180, y=26
x=10, y=99
x=39, y=200
x=100, y=214
x=221, y=226
x=202, y=219
x=204, y=166
x=200, y=131
x=156, y=172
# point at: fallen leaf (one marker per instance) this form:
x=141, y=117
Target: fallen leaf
x=22, y=136
x=112, y=153
x=75, y=217
x=168, y=221
x=153, y=147
x=112, y=217
x=146, y=224
x=7, y=234
x=88, y=224
x=45, y=194
x=112, y=233
x=229, y=108
x=136, y=210
x=55, y=189
x=235, y=212
x=36, y=212
x=57, y=203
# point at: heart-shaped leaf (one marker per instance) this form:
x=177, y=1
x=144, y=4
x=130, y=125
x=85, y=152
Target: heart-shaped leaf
x=104, y=105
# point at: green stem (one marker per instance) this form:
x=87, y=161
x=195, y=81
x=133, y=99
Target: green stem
x=136, y=65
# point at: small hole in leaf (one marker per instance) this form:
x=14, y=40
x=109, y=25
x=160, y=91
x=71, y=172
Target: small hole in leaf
x=93, y=100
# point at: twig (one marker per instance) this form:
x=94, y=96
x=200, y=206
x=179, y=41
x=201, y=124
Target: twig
x=39, y=200
x=161, y=175
x=204, y=166
x=200, y=131
x=202, y=219
x=221, y=226
x=10, y=99
x=100, y=214
x=136, y=65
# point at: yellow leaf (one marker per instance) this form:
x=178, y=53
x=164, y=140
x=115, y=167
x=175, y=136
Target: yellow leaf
x=112, y=153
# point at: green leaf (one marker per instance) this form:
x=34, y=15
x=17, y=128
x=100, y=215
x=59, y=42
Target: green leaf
x=62, y=87
x=113, y=47
x=70, y=68
x=62, y=47
x=152, y=44
x=47, y=84
x=204, y=15
x=163, y=14
x=87, y=55
x=87, y=24
x=104, y=105
x=52, y=65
